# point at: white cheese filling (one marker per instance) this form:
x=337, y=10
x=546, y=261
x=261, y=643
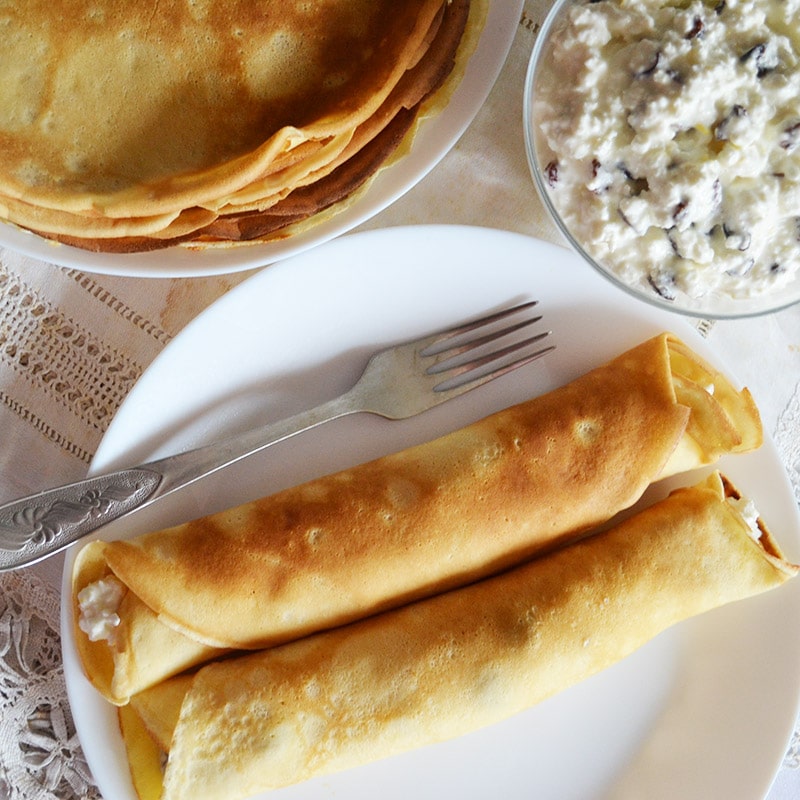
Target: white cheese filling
x=671, y=134
x=749, y=514
x=98, y=603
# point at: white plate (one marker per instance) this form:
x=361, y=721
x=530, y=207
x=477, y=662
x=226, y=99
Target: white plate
x=705, y=710
x=433, y=140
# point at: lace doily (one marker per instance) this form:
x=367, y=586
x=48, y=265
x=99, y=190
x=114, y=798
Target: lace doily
x=40, y=756
x=787, y=441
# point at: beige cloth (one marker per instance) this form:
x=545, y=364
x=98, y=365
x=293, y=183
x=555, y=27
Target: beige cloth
x=73, y=344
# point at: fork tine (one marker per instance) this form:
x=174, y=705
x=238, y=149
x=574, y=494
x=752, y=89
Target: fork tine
x=476, y=363
x=445, y=360
x=439, y=342
x=409, y=378
x=460, y=376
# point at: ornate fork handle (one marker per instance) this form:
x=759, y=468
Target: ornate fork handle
x=42, y=524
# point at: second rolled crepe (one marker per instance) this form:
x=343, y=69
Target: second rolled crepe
x=451, y=664
x=411, y=524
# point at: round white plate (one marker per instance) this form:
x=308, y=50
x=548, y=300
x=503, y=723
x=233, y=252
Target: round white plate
x=705, y=710
x=433, y=140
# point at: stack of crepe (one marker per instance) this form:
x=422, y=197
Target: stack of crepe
x=125, y=128
x=429, y=592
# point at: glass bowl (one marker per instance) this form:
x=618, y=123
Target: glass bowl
x=589, y=204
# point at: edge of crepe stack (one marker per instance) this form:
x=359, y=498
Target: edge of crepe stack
x=297, y=178
x=727, y=415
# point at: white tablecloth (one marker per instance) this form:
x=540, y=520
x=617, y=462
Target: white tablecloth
x=73, y=344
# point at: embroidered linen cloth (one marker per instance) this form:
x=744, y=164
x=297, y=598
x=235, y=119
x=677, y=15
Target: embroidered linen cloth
x=73, y=344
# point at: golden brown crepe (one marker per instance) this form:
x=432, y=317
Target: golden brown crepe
x=411, y=524
x=128, y=128
x=462, y=660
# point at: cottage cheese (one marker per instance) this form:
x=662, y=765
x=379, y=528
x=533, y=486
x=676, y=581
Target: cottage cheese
x=671, y=135
x=746, y=509
x=98, y=604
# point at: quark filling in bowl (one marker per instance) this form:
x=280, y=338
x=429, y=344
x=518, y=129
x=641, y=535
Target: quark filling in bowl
x=669, y=143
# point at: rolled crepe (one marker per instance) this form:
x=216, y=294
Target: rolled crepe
x=462, y=660
x=414, y=523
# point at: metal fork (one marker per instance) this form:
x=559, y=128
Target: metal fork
x=398, y=382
